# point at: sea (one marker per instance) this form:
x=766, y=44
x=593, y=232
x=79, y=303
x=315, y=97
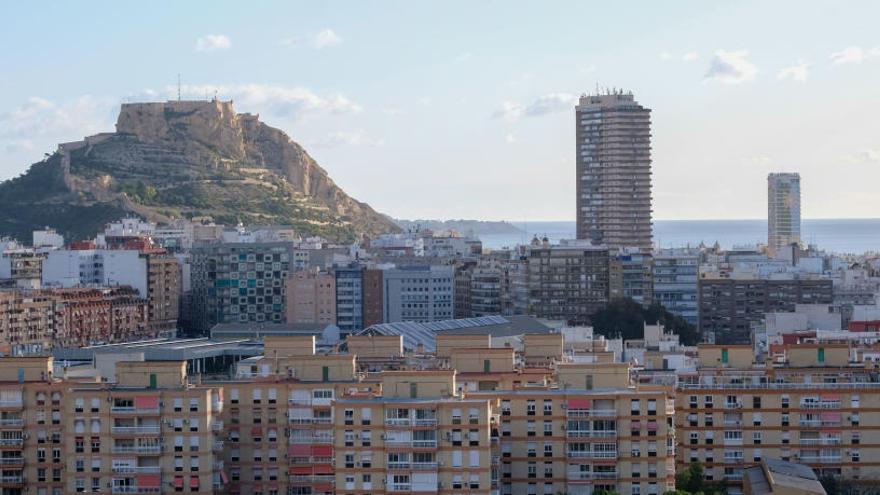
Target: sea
x=850, y=236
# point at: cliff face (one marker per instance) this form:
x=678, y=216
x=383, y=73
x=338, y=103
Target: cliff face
x=184, y=159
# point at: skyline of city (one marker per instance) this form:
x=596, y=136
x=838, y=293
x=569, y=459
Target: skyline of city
x=721, y=102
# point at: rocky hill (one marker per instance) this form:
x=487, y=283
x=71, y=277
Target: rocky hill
x=183, y=159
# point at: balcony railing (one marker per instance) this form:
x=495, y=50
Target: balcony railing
x=136, y=489
x=591, y=413
x=312, y=478
x=133, y=410
x=779, y=386
x=218, y=446
x=216, y=425
x=591, y=433
x=821, y=405
x=11, y=403
x=398, y=421
x=137, y=449
x=126, y=430
x=820, y=441
x=820, y=459
x=12, y=422
x=11, y=461
x=12, y=479
x=592, y=454
x=400, y=487
x=11, y=442
x=580, y=475
x=136, y=469
x=425, y=422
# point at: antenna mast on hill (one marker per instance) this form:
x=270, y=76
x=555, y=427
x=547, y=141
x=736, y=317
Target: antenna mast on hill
x=178, y=86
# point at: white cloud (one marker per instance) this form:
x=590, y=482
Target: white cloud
x=731, y=67
x=321, y=39
x=544, y=104
x=849, y=55
x=38, y=117
x=349, y=138
x=280, y=101
x=509, y=138
x=689, y=57
x=665, y=55
x=212, y=42
x=799, y=72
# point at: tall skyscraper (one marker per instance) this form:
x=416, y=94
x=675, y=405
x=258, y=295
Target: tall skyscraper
x=783, y=210
x=613, y=170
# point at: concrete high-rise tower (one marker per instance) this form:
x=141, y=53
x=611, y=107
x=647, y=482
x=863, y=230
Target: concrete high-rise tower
x=783, y=211
x=613, y=170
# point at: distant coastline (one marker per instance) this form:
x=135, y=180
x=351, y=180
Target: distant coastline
x=462, y=226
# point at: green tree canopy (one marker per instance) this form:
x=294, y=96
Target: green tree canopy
x=626, y=318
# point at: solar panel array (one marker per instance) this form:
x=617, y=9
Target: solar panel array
x=423, y=333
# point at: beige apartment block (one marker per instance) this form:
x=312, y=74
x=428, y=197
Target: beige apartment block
x=810, y=404
x=311, y=297
x=150, y=432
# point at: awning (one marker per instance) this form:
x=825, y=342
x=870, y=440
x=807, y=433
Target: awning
x=578, y=403
x=300, y=470
x=194, y=482
x=299, y=450
x=636, y=425
x=146, y=402
x=149, y=481
x=223, y=477
x=257, y=431
x=652, y=426
x=324, y=469
x=322, y=450
x=178, y=482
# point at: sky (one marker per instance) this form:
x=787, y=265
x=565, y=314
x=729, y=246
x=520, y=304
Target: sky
x=462, y=109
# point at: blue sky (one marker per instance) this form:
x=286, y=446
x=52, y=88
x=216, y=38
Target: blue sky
x=465, y=109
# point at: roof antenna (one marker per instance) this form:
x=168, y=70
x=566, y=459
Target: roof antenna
x=178, y=86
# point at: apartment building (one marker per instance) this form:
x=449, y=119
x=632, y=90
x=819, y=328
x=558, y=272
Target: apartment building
x=486, y=287
x=613, y=135
x=675, y=282
x=239, y=282
x=631, y=276
x=569, y=281
x=730, y=307
x=808, y=403
x=419, y=293
x=34, y=321
x=783, y=211
x=310, y=297
x=149, y=432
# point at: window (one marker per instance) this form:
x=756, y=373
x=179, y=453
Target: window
x=821, y=355
x=756, y=437
x=548, y=428
x=724, y=356
x=548, y=407
x=756, y=402
x=474, y=457
x=178, y=404
x=530, y=408
x=530, y=426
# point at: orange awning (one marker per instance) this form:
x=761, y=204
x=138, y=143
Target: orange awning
x=194, y=482
x=322, y=450
x=300, y=470
x=178, y=482
x=257, y=431
x=146, y=402
x=578, y=403
x=149, y=480
x=298, y=450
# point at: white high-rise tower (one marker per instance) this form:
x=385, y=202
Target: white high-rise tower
x=783, y=211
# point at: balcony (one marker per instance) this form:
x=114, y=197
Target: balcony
x=11, y=442
x=136, y=489
x=11, y=461
x=398, y=465
x=591, y=433
x=400, y=487
x=733, y=405
x=425, y=422
x=15, y=422
x=136, y=469
x=397, y=422
x=217, y=446
x=811, y=422
x=820, y=441
x=135, y=430
x=11, y=403
x=216, y=425
x=131, y=410
x=13, y=479
x=312, y=478
x=820, y=459
x=137, y=449
x=581, y=454
x=821, y=405
x=587, y=475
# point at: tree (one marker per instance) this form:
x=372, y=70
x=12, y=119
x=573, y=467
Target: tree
x=626, y=318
